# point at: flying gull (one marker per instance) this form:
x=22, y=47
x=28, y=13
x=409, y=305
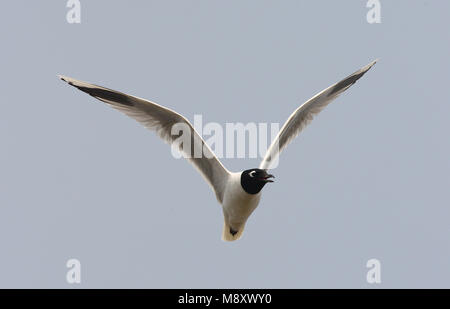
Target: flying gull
x=238, y=193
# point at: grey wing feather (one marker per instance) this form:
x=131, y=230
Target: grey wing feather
x=303, y=115
x=160, y=119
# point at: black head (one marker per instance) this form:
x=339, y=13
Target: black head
x=252, y=181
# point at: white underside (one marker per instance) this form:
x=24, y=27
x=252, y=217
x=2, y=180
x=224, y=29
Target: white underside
x=237, y=206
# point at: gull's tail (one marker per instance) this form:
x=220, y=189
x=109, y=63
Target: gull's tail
x=229, y=234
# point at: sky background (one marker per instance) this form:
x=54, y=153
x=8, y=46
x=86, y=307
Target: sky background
x=368, y=178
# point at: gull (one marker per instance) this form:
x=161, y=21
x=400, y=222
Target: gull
x=238, y=193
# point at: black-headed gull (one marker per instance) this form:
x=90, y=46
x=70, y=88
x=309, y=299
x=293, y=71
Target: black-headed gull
x=238, y=193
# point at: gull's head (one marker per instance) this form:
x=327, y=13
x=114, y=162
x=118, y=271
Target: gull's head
x=253, y=180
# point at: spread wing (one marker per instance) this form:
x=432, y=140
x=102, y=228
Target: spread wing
x=161, y=120
x=303, y=115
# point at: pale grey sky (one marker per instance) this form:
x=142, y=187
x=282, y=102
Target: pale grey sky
x=369, y=178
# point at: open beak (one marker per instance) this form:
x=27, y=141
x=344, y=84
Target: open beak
x=267, y=178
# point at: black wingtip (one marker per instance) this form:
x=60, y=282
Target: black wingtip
x=99, y=92
x=350, y=80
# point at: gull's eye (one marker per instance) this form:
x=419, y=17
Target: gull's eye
x=252, y=173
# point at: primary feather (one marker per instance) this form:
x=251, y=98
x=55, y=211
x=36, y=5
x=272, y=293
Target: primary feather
x=161, y=119
x=303, y=115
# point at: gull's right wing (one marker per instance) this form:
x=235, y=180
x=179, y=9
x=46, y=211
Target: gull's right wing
x=161, y=120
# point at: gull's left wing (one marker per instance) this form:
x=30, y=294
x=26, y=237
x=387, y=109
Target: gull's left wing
x=303, y=115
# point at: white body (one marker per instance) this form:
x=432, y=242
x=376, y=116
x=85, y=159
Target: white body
x=237, y=206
